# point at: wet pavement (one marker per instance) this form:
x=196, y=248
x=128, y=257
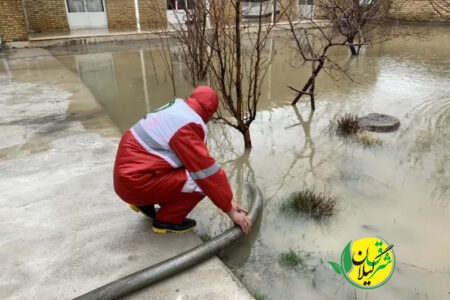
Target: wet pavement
x=63, y=231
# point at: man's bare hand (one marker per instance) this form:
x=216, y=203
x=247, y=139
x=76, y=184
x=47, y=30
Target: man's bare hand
x=240, y=219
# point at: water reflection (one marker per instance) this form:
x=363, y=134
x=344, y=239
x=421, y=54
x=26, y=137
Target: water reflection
x=128, y=84
x=238, y=253
x=308, y=149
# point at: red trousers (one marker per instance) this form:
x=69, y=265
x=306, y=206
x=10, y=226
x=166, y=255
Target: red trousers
x=176, y=209
x=141, y=178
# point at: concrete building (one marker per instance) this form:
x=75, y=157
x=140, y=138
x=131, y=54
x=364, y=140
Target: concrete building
x=20, y=18
x=421, y=10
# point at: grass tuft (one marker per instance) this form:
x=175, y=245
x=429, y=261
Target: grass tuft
x=258, y=296
x=366, y=139
x=292, y=259
x=316, y=205
x=348, y=124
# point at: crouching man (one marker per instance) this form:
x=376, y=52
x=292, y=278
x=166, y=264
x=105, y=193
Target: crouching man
x=163, y=159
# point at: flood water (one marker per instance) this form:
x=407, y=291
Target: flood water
x=399, y=190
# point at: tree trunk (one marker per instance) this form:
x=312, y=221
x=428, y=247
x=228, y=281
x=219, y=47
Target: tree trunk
x=238, y=83
x=311, y=93
x=353, y=50
x=247, y=139
x=309, y=82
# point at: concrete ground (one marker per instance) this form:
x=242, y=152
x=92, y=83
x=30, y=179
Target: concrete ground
x=63, y=231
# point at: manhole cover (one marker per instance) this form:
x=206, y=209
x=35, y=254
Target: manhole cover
x=379, y=123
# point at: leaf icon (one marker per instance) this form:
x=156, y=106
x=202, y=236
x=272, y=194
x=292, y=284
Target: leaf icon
x=336, y=267
x=346, y=259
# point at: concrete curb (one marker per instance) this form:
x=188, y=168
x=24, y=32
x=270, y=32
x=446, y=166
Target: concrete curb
x=68, y=39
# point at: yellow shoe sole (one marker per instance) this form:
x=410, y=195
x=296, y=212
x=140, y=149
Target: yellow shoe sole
x=136, y=209
x=163, y=231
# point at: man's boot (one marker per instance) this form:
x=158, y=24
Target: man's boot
x=161, y=227
x=148, y=211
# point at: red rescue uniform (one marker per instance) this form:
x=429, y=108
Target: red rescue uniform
x=163, y=159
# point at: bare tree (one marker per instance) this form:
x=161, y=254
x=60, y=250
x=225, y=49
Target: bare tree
x=348, y=23
x=192, y=33
x=159, y=27
x=239, y=63
x=215, y=43
x=360, y=22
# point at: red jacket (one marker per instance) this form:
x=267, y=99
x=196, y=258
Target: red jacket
x=169, y=138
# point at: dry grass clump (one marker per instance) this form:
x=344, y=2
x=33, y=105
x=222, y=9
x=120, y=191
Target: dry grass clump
x=309, y=202
x=368, y=140
x=348, y=124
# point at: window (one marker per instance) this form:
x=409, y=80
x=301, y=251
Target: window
x=95, y=5
x=180, y=4
x=74, y=6
x=306, y=2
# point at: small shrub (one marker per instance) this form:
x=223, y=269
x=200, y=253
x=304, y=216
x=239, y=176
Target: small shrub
x=316, y=205
x=348, y=124
x=292, y=259
x=258, y=296
x=368, y=140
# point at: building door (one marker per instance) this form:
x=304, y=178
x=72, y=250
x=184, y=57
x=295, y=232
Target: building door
x=86, y=13
x=306, y=9
x=176, y=11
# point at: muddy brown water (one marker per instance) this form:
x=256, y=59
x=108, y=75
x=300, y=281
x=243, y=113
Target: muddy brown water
x=399, y=190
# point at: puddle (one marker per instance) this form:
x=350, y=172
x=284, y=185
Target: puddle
x=399, y=190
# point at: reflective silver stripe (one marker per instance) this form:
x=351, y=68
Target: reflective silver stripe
x=154, y=145
x=202, y=174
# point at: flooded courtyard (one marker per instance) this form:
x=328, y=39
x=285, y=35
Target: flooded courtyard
x=399, y=190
